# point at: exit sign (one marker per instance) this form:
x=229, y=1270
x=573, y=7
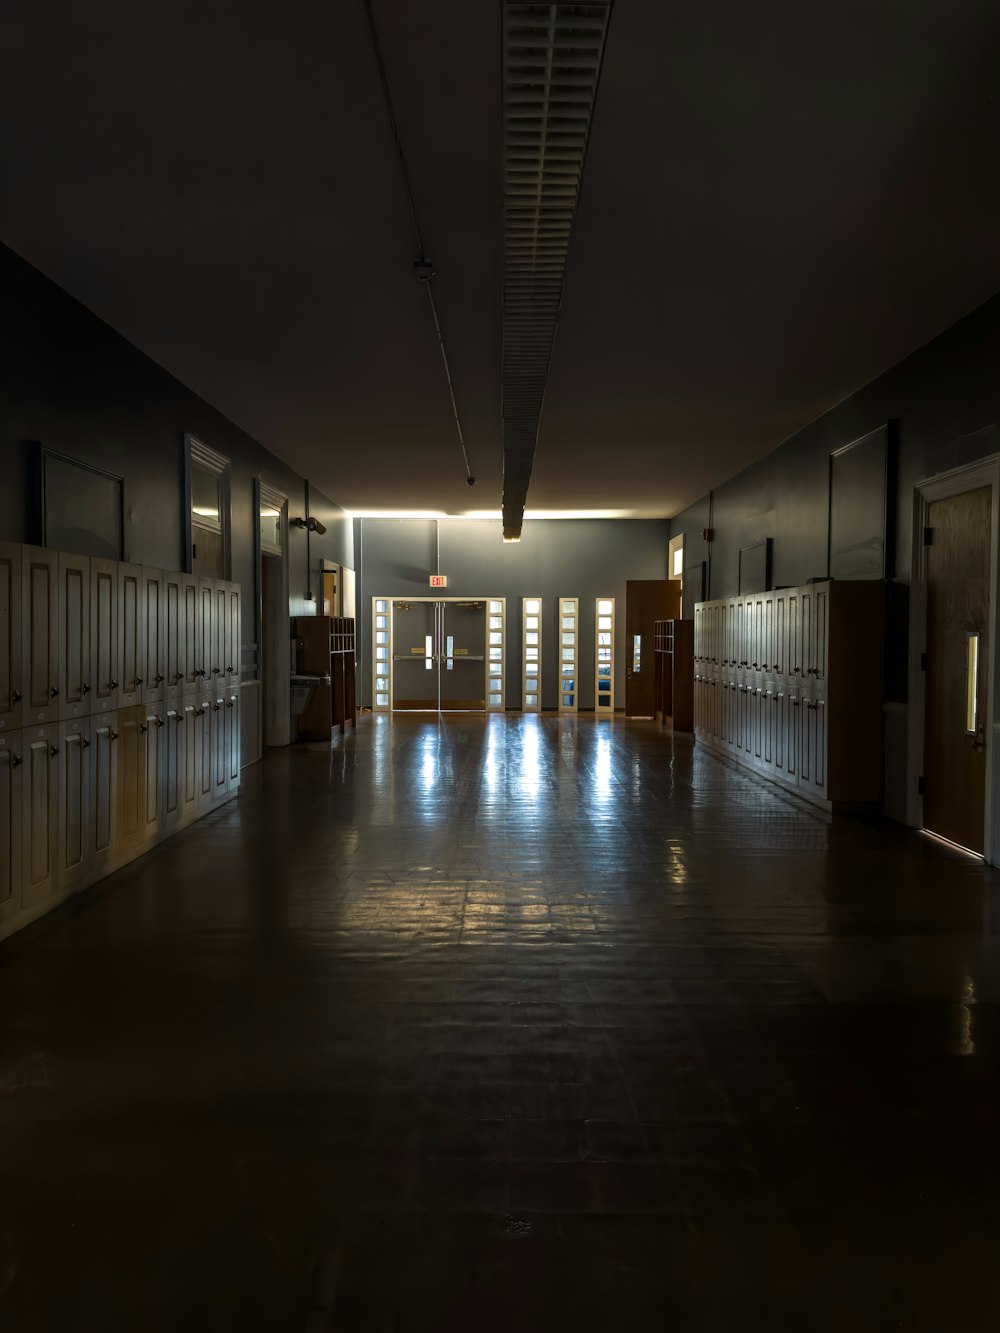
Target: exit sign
x=439, y=580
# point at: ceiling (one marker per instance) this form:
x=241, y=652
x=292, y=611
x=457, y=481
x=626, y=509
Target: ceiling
x=780, y=201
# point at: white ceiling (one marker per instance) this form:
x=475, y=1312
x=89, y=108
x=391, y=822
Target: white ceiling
x=780, y=201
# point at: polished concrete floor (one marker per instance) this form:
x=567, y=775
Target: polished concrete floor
x=508, y=1024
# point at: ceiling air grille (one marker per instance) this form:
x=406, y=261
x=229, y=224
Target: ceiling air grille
x=552, y=63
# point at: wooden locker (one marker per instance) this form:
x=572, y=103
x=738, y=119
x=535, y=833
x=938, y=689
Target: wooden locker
x=74, y=804
x=172, y=766
x=39, y=635
x=767, y=647
x=220, y=619
x=74, y=636
x=11, y=767
x=131, y=625
x=217, y=714
x=155, y=740
x=104, y=791
x=193, y=669
x=193, y=711
x=172, y=635
x=233, y=739
x=154, y=664
x=234, y=632
x=104, y=636
x=131, y=762
x=10, y=637
x=209, y=650
x=812, y=758
x=39, y=815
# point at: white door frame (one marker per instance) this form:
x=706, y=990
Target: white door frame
x=487, y=671
x=986, y=472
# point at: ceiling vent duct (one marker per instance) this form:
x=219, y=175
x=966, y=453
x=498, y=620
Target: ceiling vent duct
x=552, y=64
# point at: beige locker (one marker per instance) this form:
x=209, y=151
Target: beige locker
x=10, y=637
x=39, y=815
x=74, y=636
x=104, y=791
x=193, y=754
x=131, y=762
x=172, y=635
x=39, y=635
x=74, y=803
x=171, y=748
x=104, y=636
x=220, y=619
x=131, y=627
x=193, y=670
x=155, y=739
x=154, y=667
x=233, y=637
x=233, y=738
x=216, y=717
x=11, y=767
x=208, y=649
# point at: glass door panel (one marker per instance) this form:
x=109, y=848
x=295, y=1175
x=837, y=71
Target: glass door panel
x=462, y=655
x=414, y=658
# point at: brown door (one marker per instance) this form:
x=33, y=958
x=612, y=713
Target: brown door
x=646, y=601
x=958, y=612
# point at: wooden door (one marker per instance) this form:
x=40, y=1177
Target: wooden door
x=39, y=814
x=956, y=728
x=131, y=759
x=104, y=789
x=74, y=803
x=74, y=635
x=646, y=601
x=172, y=765
x=131, y=626
x=104, y=641
x=11, y=766
x=40, y=635
x=154, y=664
x=172, y=635
x=10, y=636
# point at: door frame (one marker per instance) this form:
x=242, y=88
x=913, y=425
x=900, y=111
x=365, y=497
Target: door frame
x=974, y=476
x=393, y=598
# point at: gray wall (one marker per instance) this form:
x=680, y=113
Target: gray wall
x=585, y=558
x=71, y=383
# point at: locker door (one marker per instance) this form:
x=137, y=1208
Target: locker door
x=131, y=763
x=39, y=815
x=767, y=646
x=155, y=740
x=172, y=635
x=11, y=767
x=817, y=666
x=104, y=789
x=234, y=631
x=131, y=623
x=779, y=662
x=768, y=720
x=206, y=776
x=208, y=665
x=10, y=637
x=793, y=734
x=74, y=635
x=154, y=666
x=172, y=765
x=812, y=760
x=780, y=710
x=191, y=751
x=74, y=803
x=193, y=647
x=793, y=651
x=104, y=645
x=699, y=620
x=218, y=712
x=220, y=622
x=40, y=635
x=233, y=728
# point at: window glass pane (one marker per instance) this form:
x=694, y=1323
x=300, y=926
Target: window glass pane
x=270, y=525
x=568, y=654
x=205, y=495
x=531, y=638
x=605, y=606
x=381, y=605
x=496, y=654
x=569, y=622
x=569, y=638
x=604, y=639
x=496, y=622
x=531, y=622
x=636, y=652
x=531, y=701
x=496, y=638
x=971, y=682
x=496, y=606
x=532, y=605
x=382, y=700
x=603, y=622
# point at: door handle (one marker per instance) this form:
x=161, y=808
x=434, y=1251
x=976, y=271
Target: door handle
x=114, y=685
x=85, y=743
x=15, y=761
x=178, y=718
x=15, y=698
x=114, y=735
x=53, y=750
x=159, y=722
x=54, y=692
x=157, y=680
x=138, y=680
x=85, y=688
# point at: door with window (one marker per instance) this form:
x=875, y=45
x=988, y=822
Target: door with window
x=958, y=612
x=439, y=655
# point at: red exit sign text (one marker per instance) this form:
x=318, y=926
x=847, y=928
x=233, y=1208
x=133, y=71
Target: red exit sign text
x=439, y=580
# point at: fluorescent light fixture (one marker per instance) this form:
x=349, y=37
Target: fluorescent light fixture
x=490, y=515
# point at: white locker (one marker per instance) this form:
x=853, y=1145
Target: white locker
x=74, y=636
x=154, y=667
x=74, y=766
x=154, y=740
x=233, y=640
x=131, y=627
x=193, y=670
x=131, y=760
x=104, y=791
x=10, y=637
x=233, y=739
x=172, y=766
x=39, y=635
x=104, y=637
x=11, y=767
x=172, y=635
x=39, y=815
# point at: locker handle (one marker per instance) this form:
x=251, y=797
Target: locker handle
x=15, y=761
x=796, y=671
x=178, y=676
x=53, y=750
x=178, y=718
x=54, y=692
x=216, y=707
x=159, y=722
x=231, y=670
x=138, y=680
x=143, y=729
x=114, y=685
x=157, y=680
x=794, y=703
x=15, y=698
x=229, y=703
x=200, y=671
x=756, y=666
x=216, y=671
x=764, y=666
x=812, y=671
x=85, y=743
x=85, y=688
x=114, y=735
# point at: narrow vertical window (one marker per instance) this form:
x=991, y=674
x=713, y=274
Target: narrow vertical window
x=531, y=654
x=604, y=655
x=569, y=629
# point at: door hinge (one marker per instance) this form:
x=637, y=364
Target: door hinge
x=928, y=536
x=920, y=786
x=923, y=661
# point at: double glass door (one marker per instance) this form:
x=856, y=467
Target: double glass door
x=439, y=656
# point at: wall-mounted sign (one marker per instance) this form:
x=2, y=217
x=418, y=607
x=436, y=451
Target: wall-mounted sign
x=439, y=580
x=461, y=652
x=419, y=652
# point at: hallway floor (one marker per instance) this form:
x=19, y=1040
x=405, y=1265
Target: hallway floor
x=507, y=1024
